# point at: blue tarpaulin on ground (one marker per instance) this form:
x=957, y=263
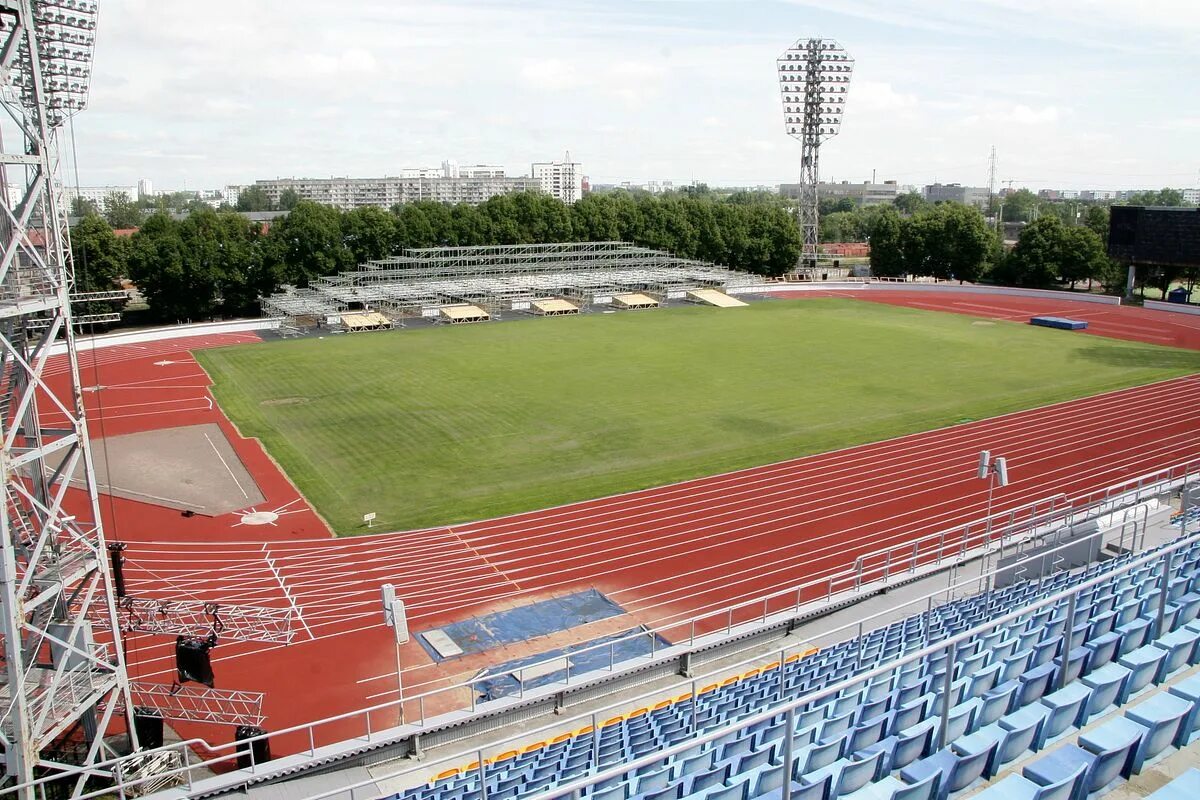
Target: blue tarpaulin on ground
x=502, y=681
x=527, y=622
x=1059, y=322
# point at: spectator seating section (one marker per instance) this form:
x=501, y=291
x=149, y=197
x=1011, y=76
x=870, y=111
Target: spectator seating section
x=1012, y=692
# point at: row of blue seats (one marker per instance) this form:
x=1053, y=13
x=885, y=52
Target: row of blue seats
x=829, y=762
x=990, y=675
x=1120, y=748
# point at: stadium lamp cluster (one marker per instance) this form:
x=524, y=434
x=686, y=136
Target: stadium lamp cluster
x=66, y=37
x=814, y=76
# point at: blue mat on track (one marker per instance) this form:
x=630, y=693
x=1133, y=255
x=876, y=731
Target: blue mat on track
x=502, y=682
x=1059, y=322
x=526, y=622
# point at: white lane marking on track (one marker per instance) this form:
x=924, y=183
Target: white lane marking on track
x=225, y=464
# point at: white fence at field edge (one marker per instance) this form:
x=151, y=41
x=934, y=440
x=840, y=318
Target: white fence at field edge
x=1173, y=308
x=915, y=286
x=84, y=344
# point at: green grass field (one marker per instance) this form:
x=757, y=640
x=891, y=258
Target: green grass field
x=450, y=424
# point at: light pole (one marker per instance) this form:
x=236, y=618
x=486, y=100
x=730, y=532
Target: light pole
x=814, y=76
x=394, y=617
x=993, y=471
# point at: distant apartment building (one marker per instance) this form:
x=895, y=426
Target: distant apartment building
x=1097, y=194
x=99, y=194
x=561, y=179
x=957, y=193
x=865, y=193
x=472, y=185
x=1191, y=196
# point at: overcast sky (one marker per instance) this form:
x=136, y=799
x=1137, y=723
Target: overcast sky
x=1073, y=93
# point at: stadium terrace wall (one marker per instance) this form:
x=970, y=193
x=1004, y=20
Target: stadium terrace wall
x=139, y=335
x=1173, y=308
x=929, y=287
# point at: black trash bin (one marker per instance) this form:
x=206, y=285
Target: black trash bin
x=1178, y=295
x=148, y=724
x=261, y=749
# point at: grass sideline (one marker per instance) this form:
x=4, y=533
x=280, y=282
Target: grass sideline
x=435, y=426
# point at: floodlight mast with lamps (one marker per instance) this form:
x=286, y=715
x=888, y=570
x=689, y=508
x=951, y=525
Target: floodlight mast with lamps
x=814, y=78
x=53, y=566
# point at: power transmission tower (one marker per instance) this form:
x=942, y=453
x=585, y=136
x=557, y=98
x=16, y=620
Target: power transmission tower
x=814, y=76
x=54, y=567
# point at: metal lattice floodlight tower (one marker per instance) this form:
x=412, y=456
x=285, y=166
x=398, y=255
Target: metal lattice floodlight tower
x=53, y=566
x=814, y=77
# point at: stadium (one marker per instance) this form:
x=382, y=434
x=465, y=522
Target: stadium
x=543, y=621
x=576, y=520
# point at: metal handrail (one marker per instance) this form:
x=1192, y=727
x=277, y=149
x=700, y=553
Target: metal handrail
x=226, y=752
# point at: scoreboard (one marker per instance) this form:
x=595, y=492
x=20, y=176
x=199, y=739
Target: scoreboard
x=1162, y=236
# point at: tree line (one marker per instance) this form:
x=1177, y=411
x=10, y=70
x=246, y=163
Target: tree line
x=215, y=263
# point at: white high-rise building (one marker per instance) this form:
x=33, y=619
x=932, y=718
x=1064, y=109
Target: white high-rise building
x=561, y=179
x=145, y=188
x=99, y=195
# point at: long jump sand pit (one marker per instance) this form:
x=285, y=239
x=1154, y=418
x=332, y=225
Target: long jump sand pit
x=190, y=468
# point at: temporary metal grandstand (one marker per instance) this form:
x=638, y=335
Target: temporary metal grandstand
x=499, y=279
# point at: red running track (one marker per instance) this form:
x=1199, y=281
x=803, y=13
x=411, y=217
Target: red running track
x=663, y=554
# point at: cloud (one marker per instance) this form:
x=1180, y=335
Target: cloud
x=1024, y=115
x=550, y=74
x=665, y=90
x=878, y=96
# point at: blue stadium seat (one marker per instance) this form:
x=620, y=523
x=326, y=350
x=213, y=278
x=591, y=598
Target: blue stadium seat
x=1017, y=787
x=1114, y=744
x=957, y=772
x=1163, y=716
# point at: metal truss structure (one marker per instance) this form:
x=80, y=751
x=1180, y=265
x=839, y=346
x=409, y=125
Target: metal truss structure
x=814, y=76
x=233, y=623
x=59, y=686
x=197, y=703
x=501, y=278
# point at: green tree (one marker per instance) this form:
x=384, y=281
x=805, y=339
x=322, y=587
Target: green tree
x=887, y=253
x=82, y=206
x=122, y=212
x=307, y=244
x=470, y=227
x=158, y=268
x=1019, y=206
x=1095, y=218
x=909, y=203
x=254, y=198
x=100, y=259
x=1036, y=260
x=1163, y=197
x=413, y=228
x=594, y=218
x=1082, y=256
x=287, y=199
x=369, y=233
x=949, y=241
